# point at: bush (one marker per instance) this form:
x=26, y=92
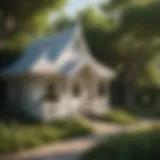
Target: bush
x=143, y=145
x=79, y=128
x=119, y=116
x=18, y=137
x=74, y=127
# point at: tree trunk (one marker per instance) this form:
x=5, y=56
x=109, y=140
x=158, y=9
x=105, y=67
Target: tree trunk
x=130, y=97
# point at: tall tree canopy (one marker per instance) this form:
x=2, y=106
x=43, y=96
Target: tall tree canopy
x=137, y=41
x=63, y=22
x=130, y=46
x=97, y=29
x=24, y=19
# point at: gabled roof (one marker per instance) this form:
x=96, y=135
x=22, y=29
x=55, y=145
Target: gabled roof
x=47, y=56
x=50, y=48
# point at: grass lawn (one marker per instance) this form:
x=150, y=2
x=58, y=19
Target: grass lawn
x=142, y=145
x=119, y=117
x=18, y=137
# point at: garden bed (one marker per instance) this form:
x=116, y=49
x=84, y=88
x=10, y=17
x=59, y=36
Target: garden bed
x=16, y=137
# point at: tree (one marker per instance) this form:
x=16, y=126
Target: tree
x=22, y=20
x=137, y=42
x=128, y=46
x=98, y=29
x=63, y=22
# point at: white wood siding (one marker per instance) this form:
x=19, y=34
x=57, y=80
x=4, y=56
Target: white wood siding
x=32, y=98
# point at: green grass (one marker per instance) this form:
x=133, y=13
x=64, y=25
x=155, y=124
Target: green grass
x=19, y=137
x=119, y=116
x=142, y=145
x=74, y=127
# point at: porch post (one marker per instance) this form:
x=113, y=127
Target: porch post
x=94, y=93
x=68, y=92
x=69, y=98
x=107, y=89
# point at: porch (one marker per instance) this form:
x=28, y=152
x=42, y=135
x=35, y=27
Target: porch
x=82, y=94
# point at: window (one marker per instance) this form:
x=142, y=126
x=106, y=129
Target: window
x=76, y=90
x=102, y=89
x=51, y=93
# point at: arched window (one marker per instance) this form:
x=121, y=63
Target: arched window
x=51, y=93
x=76, y=90
x=102, y=89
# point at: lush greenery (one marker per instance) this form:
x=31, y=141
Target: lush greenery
x=119, y=116
x=15, y=137
x=125, y=36
x=141, y=145
x=23, y=20
x=74, y=127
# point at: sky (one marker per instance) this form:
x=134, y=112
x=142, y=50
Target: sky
x=76, y=5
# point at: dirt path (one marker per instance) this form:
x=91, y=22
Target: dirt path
x=73, y=149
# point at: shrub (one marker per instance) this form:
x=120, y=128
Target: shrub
x=74, y=127
x=143, y=145
x=50, y=133
x=18, y=137
x=119, y=116
x=78, y=127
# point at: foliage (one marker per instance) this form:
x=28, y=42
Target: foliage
x=15, y=137
x=119, y=116
x=80, y=128
x=75, y=127
x=63, y=22
x=92, y=17
x=22, y=20
x=7, y=57
x=95, y=27
x=153, y=72
x=136, y=41
x=145, y=111
x=141, y=145
x=125, y=47
x=98, y=33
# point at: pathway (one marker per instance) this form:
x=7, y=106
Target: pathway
x=73, y=149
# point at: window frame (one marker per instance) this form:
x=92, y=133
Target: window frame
x=76, y=90
x=102, y=89
x=51, y=93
